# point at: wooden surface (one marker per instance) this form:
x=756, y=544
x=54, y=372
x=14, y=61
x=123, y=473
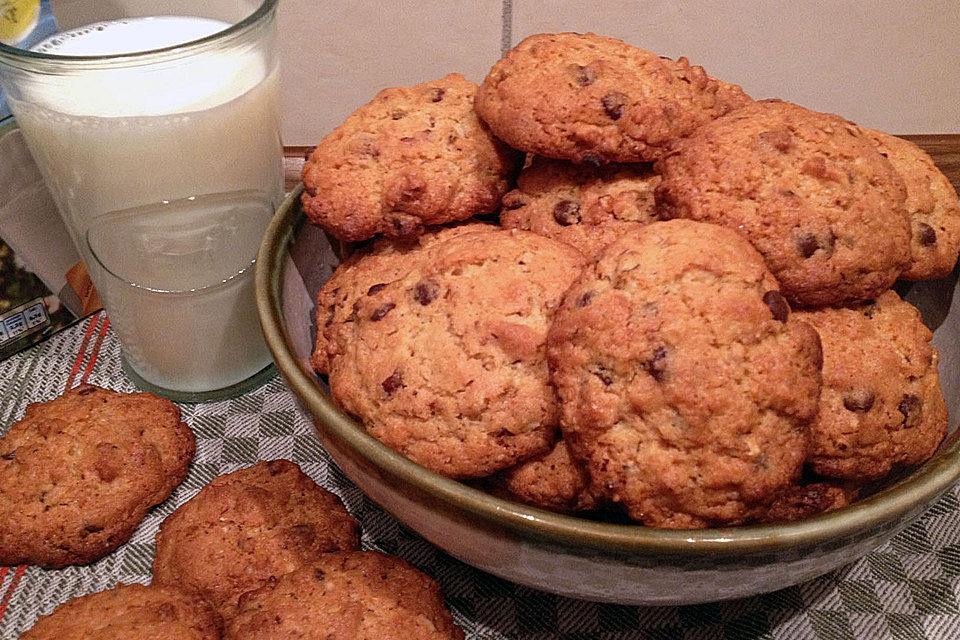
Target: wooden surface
x=943, y=148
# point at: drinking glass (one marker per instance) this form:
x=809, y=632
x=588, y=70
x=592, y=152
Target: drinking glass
x=166, y=166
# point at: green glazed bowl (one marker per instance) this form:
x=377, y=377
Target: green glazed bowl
x=565, y=554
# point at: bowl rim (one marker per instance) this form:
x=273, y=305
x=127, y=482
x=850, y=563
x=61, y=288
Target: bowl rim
x=905, y=499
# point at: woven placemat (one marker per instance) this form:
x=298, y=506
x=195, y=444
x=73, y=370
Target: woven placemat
x=908, y=589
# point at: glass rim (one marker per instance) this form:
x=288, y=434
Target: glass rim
x=17, y=57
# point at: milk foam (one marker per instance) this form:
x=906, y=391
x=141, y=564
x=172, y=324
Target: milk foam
x=129, y=35
x=193, y=83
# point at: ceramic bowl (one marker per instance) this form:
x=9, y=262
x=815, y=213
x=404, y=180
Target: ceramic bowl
x=564, y=554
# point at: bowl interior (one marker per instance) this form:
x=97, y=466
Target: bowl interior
x=297, y=258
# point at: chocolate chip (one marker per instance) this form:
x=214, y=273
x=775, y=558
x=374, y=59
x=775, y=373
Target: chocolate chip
x=503, y=432
x=320, y=575
x=380, y=312
x=311, y=191
x=869, y=308
x=426, y=292
x=585, y=76
x=604, y=374
x=92, y=528
x=566, y=212
x=436, y=94
x=396, y=114
x=408, y=140
x=926, y=234
x=778, y=305
x=860, y=400
x=391, y=384
x=377, y=287
x=912, y=409
x=275, y=467
x=613, y=104
x=807, y=244
x=656, y=366
x=9, y=456
x=85, y=390
x=585, y=299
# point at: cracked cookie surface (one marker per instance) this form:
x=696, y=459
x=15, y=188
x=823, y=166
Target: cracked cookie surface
x=931, y=204
x=127, y=612
x=444, y=358
x=79, y=472
x=413, y=156
x=590, y=98
x=248, y=527
x=809, y=190
x=881, y=403
x=686, y=386
x=584, y=206
x=346, y=596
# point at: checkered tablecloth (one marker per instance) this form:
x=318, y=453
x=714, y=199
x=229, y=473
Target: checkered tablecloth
x=906, y=589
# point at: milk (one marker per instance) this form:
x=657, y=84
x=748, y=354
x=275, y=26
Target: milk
x=167, y=175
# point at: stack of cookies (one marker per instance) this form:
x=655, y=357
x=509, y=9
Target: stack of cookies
x=684, y=313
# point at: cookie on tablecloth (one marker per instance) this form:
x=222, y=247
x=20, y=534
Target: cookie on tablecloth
x=584, y=206
x=413, y=156
x=809, y=190
x=686, y=386
x=79, y=472
x=346, y=596
x=248, y=527
x=881, y=403
x=932, y=205
x=589, y=98
x=446, y=364
x=130, y=612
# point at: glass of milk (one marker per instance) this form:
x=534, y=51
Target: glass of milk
x=156, y=130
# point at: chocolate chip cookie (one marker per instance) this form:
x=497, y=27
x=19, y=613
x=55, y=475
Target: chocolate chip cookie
x=804, y=500
x=78, y=473
x=932, y=205
x=553, y=481
x=881, y=403
x=346, y=596
x=248, y=527
x=587, y=207
x=686, y=385
x=809, y=190
x=413, y=156
x=444, y=360
x=369, y=269
x=129, y=612
x=588, y=98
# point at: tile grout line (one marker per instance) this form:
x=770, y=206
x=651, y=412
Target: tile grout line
x=506, y=27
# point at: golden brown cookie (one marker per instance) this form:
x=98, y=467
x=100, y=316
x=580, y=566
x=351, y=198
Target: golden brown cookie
x=588, y=98
x=248, y=527
x=686, y=386
x=553, y=481
x=809, y=190
x=881, y=403
x=382, y=262
x=584, y=206
x=78, y=473
x=446, y=363
x=804, y=500
x=130, y=612
x=932, y=205
x=346, y=596
x=411, y=157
